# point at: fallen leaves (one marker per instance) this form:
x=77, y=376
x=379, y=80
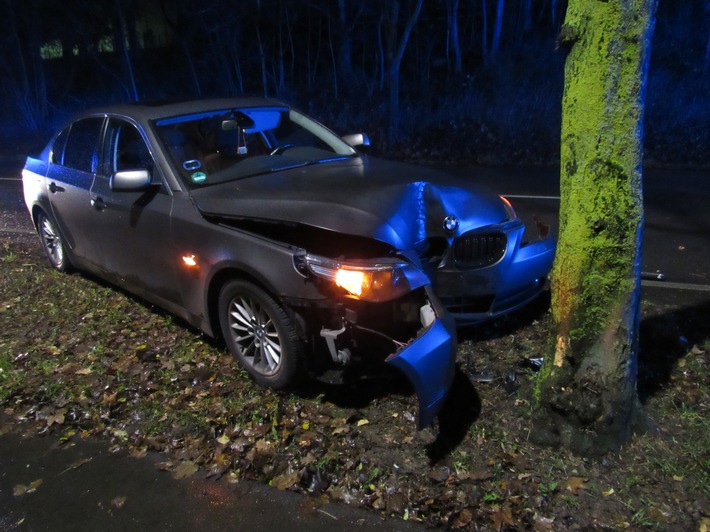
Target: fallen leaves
x=439, y=474
x=184, y=470
x=20, y=489
x=56, y=417
x=576, y=484
x=695, y=350
x=503, y=518
x=118, y=502
x=108, y=366
x=286, y=480
x=76, y=465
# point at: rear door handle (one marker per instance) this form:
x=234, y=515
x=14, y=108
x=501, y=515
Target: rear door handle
x=98, y=203
x=53, y=187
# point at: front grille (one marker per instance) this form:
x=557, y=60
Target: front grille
x=477, y=250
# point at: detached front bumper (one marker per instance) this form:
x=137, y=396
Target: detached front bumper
x=428, y=361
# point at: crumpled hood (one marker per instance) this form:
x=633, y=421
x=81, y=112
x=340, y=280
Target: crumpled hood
x=392, y=202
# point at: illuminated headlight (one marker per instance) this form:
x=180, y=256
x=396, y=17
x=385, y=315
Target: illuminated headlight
x=372, y=280
x=509, y=211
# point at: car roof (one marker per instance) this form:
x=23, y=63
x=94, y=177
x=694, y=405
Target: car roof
x=149, y=111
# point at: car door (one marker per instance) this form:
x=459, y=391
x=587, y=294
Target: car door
x=70, y=175
x=133, y=229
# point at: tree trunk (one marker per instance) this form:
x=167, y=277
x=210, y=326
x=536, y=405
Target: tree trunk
x=395, y=55
x=527, y=16
x=344, y=66
x=586, y=392
x=382, y=54
x=484, y=31
x=495, y=44
x=554, y=12
x=122, y=45
x=181, y=29
x=280, y=62
x=452, y=7
x=262, y=52
x=334, y=62
x=27, y=82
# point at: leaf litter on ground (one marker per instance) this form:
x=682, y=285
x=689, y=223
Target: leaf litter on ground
x=109, y=366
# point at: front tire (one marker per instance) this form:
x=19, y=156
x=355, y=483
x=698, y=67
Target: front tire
x=260, y=335
x=53, y=244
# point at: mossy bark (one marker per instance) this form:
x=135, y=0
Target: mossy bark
x=586, y=392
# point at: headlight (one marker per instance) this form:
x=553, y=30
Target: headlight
x=370, y=280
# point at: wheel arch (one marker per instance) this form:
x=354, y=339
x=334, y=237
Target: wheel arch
x=35, y=212
x=225, y=275
x=65, y=262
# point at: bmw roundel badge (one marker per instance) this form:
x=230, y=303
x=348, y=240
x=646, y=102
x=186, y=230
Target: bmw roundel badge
x=451, y=224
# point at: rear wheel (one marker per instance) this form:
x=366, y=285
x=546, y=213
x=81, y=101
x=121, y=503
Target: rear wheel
x=52, y=243
x=260, y=335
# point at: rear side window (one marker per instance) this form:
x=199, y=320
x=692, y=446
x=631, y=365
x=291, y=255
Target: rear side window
x=58, y=147
x=80, y=149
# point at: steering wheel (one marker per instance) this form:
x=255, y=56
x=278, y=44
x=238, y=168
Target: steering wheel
x=278, y=150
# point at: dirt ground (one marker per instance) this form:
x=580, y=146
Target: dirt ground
x=79, y=359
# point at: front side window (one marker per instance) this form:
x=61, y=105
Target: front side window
x=125, y=148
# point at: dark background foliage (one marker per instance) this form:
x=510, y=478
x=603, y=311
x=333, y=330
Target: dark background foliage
x=479, y=80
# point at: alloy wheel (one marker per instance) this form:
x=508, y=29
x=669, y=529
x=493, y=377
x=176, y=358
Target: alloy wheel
x=255, y=333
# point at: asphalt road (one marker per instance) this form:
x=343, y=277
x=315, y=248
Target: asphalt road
x=677, y=227
x=85, y=487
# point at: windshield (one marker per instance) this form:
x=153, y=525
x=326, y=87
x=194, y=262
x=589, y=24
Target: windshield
x=228, y=144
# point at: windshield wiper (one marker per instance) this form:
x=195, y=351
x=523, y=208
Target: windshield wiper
x=289, y=166
x=309, y=163
x=333, y=159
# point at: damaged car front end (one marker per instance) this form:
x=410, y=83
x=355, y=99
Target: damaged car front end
x=255, y=223
x=389, y=306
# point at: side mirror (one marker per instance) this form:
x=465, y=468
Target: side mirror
x=357, y=139
x=130, y=180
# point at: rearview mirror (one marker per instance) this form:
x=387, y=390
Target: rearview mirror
x=240, y=121
x=130, y=180
x=357, y=139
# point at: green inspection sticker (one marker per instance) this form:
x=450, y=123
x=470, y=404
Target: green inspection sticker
x=198, y=177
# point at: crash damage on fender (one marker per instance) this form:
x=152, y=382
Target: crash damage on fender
x=257, y=224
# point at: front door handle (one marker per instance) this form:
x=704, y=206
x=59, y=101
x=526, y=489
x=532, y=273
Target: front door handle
x=98, y=203
x=53, y=187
